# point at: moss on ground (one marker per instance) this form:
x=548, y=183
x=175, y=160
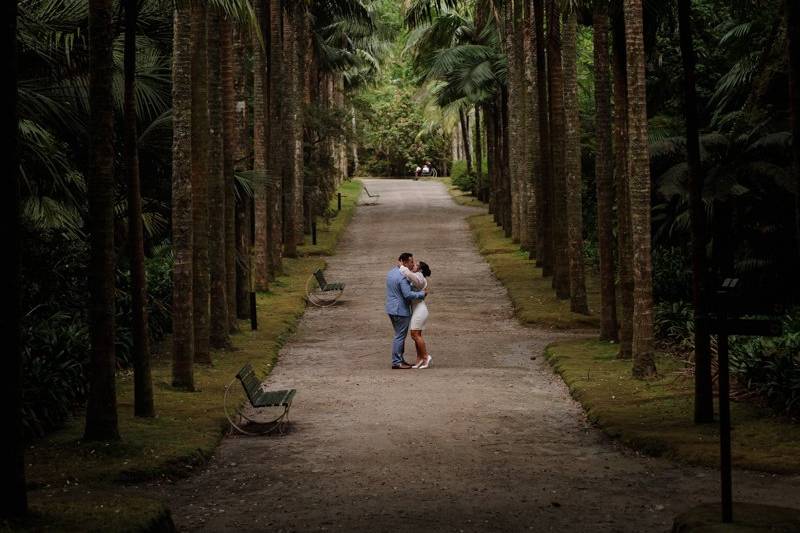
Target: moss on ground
x=655, y=416
x=533, y=297
x=76, y=485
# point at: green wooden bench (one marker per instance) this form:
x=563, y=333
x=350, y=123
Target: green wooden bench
x=320, y=292
x=259, y=399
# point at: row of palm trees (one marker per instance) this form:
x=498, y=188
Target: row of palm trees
x=251, y=169
x=515, y=63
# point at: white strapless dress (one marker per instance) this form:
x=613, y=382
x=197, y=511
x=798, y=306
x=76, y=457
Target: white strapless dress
x=419, y=311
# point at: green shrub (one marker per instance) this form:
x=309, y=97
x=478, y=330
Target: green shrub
x=770, y=366
x=673, y=325
x=461, y=178
x=672, y=275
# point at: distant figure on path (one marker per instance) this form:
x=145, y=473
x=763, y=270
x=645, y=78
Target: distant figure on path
x=419, y=316
x=398, y=296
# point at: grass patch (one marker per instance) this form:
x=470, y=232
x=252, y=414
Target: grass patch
x=655, y=416
x=461, y=197
x=532, y=295
x=62, y=470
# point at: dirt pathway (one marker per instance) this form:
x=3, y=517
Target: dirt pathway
x=485, y=440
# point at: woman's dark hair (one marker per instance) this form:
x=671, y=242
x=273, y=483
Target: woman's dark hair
x=425, y=269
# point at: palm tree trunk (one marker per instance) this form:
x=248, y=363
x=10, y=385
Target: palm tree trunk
x=558, y=132
x=491, y=165
x=242, y=79
x=275, y=137
x=261, y=251
x=639, y=187
x=293, y=209
x=182, y=218
x=533, y=166
x=572, y=158
x=219, y=327
x=462, y=119
x=604, y=174
x=703, y=385
x=515, y=112
x=479, y=177
x=200, y=165
x=624, y=247
x=230, y=133
x=143, y=381
x=545, y=247
x=12, y=451
x=101, y=409
x=505, y=164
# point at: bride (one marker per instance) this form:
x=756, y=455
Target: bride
x=418, y=275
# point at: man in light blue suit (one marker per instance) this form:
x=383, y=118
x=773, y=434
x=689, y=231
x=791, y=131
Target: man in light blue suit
x=398, y=296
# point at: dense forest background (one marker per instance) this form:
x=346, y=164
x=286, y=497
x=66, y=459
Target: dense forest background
x=396, y=112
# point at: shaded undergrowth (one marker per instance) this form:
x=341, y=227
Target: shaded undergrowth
x=81, y=486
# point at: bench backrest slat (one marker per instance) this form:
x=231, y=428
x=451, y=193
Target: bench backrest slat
x=320, y=279
x=250, y=382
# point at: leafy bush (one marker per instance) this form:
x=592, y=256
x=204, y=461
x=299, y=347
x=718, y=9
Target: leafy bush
x=771, y=366
x=673, y=325
x=672, y=275
x=159, y=302
x=55, y=335
x=461, y=178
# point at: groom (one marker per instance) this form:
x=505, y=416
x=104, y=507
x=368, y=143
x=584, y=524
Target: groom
x=398, y=295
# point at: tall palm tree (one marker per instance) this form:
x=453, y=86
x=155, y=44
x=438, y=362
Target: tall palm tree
x=515, y=103
x=219, y=326
x=230, y=140
x=293, y=180
x=101, y=409
x=143, y=382
x=260, y=131
x=604, y=172
x=620, y=142
x=275, y=138
x=639, y=192
x=533, y=164
x=12, y=450
x=545, y=248
x=182, y=218
x=704, y=394
x=555, y=73
x=243, y=80
x=572, y=160
x=200, y=162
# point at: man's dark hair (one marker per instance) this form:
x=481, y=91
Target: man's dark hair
x=405, y=256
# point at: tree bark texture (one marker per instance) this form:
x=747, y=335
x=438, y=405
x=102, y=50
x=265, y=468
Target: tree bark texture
x=182, y=218
x=604, y=174
x=624, y=247
x=261, y=128
x=275, y=136
x=703, y=382
x=200, y=165
x=558, y=133
x=639, y=191
x=219, y=326
x=101, y=408
x=574, y=178
x=545, y=248
x=230, y=137
x=142, y=378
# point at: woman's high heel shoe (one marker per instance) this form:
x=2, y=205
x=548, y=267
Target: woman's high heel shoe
x=419, y=365
x=427, y=363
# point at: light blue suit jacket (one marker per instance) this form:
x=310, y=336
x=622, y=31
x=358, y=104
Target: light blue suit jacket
x=399, y=293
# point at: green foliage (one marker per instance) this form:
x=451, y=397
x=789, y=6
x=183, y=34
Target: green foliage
x=673, y=326
x=672, y=275
x=393, y=137
x=770, y=367
x=461, y=178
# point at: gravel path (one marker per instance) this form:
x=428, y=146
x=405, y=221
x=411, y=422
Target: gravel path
x=487, y=439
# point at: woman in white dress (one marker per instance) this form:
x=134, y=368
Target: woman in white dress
x=418, y=275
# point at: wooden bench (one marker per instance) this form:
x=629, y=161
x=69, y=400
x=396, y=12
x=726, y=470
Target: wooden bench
x=320, y=292
x=370, y=195
x=259, y=399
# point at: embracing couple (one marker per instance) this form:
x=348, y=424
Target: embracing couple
x=406, y=289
